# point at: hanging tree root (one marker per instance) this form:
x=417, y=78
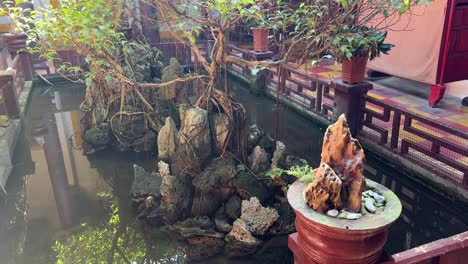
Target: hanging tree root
x=214, y=99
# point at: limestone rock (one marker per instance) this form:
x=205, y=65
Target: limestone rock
x=220, y=125
x=163, y=168
x=323, y=193
x=259, y=160
x=247, y=185
x=219, y=172
x=254, y=134
x=257, y=218
x=194, y=138
x=292, y=161
x=176, y=195
x=233, y=207
x=268, y=144
x=278, y=155
x=176, y=91
x=346, y=157
x=202, y=247
x=167, y=139
x=146, y=183
x=205, y=204
x=240, y=242
x=4, y=120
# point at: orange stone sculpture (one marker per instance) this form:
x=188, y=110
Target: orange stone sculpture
x=323, y=193
x=345, y=156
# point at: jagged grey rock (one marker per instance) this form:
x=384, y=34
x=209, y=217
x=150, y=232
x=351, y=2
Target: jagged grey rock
x=220, y=125
x=240, y=242
x=146, y=183
x=278, y=155
x=257, y=218
x=195, y=137
x=167, y=139
x=259, y=160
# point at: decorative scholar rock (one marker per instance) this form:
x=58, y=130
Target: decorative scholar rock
x=259, y=160
x=339, y=181
x=167, y=139
x=346, y=157
x=323, y=193
x=257, y=218
x=240, y=242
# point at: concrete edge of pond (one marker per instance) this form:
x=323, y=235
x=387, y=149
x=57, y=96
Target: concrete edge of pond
x=414, y=171
x=9, y=138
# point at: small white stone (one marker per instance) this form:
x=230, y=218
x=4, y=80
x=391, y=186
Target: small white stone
x=377, y=197
x=353, y=216
x=333, y=213
x=370, y=207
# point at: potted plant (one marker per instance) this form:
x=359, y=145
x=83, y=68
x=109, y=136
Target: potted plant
x=13, y=24
x=354, y=46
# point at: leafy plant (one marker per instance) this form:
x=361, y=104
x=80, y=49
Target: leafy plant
x=302, y=173
x=275, y=173
x=16, y=15
x=360, y=41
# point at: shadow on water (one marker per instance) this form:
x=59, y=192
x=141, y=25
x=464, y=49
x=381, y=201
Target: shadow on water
x=61, y=203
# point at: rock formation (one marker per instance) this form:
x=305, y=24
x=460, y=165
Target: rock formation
x=220, y=126
x=259, y=160
x=194, y=146
x=339, y=181
x=175, y=92
x=167, y=140
x=279, y=156
x=257, y=218
x=240, y=242
x=324, y=192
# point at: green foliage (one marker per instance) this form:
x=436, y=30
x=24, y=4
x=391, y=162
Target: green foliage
x=302, y=173
x=360, y=41
x=275, y=173
x=89, y=27
x=103, y=243
x=16, y=14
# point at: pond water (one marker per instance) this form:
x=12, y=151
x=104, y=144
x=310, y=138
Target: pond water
x=62, y=203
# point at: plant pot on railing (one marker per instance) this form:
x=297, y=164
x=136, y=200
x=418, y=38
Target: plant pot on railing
x=354, y=70
x=260, y=39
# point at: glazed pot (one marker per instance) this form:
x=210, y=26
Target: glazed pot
x=353, y=70
x=324, y=239
x=260, y=39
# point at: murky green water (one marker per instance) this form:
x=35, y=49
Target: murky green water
x=61, y=203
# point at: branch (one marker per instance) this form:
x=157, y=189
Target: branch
x=237, y=60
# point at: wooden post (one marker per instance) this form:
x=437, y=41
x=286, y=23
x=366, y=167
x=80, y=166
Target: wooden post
x=349, y=100
x=7, y=79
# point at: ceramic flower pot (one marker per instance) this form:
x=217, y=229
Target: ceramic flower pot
x=353, y=70
x=260, y=39
x=324, y=239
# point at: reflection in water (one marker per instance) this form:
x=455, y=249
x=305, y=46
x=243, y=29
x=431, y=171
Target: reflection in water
x=58, y=201
x=115, y=241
